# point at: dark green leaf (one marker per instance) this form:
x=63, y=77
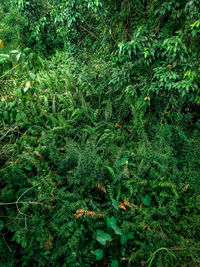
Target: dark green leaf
x=130, y=235
x=6, y=115
x=123, y=239
x=123, y=161
x=146, y=200
x=14, y=113
x=1, y=225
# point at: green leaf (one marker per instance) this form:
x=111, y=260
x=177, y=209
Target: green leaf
x=24, y=243
x=23, y=58
x=102, y=237
x=114, y=263
x=98, y=253
x=146, y=200
x=31, y=56
x=115, y=204
x=32, y=75
x=4, y=56
x=27, y=50
x=28, y=168
x=21, y=116
x=123, y=239
x=14, y=113
x=123, y=161
x=6, y=115
x=111, y=223
x=1, y=225
x=47, y=253
x=97, y=2
x=130, y=235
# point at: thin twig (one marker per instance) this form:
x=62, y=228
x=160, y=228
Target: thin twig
x=14, y=203
x=10, y=70
x=5, y=242
x=11, y=129
x=4, y=81
x=17, y=202
x=89, y=32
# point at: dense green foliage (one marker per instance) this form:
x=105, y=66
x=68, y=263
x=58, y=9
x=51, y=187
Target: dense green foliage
x=99, y=133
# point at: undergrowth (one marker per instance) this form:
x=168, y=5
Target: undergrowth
x=99, y=149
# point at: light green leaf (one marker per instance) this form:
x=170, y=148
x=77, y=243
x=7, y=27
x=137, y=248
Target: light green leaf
x=32, y=75
x=98, y=253
x=21, y=116
x=28, y=168
x=28, y=85
x=102, y=237
x=115, y=204
x=114, y=263
x=111, y=223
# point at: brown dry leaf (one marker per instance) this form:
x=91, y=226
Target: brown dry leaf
x=126, y=171
x=55, y=185
x=175, y=248
x=169, y=66
x=87, y=213
x=48, y=243
x=101, y=186
x=1, y=44
x=51, y=194
x=74, y=96
x=147, y=98
x=36, y=138
x=146, y=226
x=122, y=206
x=38, y=155
x=78, y=215
x=117, y=124
x=164, y=235
x=186, y=186
x=5, y=189
x=127, y=203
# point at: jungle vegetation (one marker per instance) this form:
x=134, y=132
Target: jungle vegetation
x=99, y=133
